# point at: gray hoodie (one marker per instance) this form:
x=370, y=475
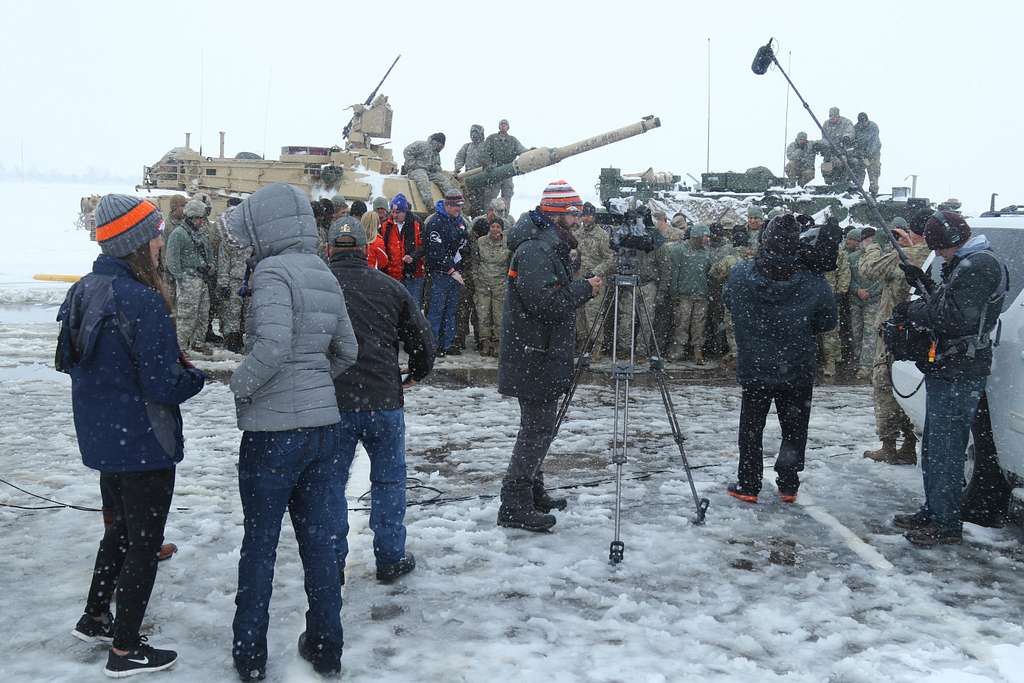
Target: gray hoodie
x=299, y=336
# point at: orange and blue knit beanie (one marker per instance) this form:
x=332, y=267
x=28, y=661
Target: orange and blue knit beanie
x=124, y=223
x=559, y=197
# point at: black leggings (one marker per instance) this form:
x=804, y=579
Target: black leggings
x=127, y=557
x=793, y=404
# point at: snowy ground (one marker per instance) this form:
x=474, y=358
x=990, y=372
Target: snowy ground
x=821, y=591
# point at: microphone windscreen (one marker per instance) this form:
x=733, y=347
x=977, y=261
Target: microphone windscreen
x=762, y=60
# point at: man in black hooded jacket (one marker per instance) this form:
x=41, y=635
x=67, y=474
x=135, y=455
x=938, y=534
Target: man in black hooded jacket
x=537, y=344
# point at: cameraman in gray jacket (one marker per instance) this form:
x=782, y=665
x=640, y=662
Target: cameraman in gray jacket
x=299, y=338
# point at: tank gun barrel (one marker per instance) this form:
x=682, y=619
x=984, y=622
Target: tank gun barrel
x=541, y=157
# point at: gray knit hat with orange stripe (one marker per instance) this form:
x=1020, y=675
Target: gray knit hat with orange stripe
x=559, y=197
x=123, y=224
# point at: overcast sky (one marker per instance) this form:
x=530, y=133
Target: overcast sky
x=114, y=85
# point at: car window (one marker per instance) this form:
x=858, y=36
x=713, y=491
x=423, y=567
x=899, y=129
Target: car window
x=1008, y=245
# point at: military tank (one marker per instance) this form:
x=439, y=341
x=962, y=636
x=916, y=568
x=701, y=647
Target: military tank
x=361, y=169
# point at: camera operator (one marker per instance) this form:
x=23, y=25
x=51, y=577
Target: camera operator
x=959, y=313
x=537, y=341
x=640, y=250
x=778, y=307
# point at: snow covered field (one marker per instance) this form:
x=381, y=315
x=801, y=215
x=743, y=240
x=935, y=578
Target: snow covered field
x=821, y=591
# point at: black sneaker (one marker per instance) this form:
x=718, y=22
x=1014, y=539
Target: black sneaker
x=386, y=573
x=930, y=536
x=92, y=631
x=139, y=660
x=918, y=520
x=544, y=502
x=322, y=663
x=740, y=493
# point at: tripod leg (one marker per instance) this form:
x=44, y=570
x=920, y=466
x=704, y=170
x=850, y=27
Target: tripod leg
x=623, y=375
x=701, y=504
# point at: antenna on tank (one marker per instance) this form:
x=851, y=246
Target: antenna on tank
x=785, y=129
x=266, y=111
x=202, y=97
x=707, y=159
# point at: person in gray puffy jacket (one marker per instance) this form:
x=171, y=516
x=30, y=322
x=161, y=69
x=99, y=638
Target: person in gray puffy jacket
x=298, y=339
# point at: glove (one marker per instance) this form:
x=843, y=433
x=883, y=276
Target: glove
x=902, y=310
x=916, y=277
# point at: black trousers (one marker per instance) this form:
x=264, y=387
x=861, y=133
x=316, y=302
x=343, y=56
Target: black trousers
x=793, y=404
x=127, y=558
x=536, y=430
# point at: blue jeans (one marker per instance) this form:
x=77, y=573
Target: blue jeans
x=297, y=470
x=415, y=287
x=444, y=302
x=382, y=433
x=949, y=411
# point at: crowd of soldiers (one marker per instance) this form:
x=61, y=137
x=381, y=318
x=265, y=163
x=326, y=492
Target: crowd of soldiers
x=860, y=146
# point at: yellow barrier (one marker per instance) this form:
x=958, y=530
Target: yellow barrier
x=56, y=278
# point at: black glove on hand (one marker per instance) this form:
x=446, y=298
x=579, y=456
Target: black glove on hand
x=917, y=277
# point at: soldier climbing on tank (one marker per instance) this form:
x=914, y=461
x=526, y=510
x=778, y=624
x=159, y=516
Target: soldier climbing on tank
x=502, y=148
x=800, y=156
x=423, y=166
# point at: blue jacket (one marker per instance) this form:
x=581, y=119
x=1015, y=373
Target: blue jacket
x=445, y=237
x=118, y=344
x=777, y=323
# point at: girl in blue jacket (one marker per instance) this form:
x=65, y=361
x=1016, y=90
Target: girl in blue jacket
x=128, y=376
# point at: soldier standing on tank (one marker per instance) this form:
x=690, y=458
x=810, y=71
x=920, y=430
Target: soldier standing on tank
x=423, y=166
x=501, y=148
x=188, y=259
x=869, y=148
x=490, y=271
x=839, y=281
x=880, y=263
x=800, y=157
x=595, y=258
x=470, y=156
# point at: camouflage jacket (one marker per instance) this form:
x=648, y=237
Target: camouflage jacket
x=857, y=281
x=471, y=155
x=490, y=259
x=838, y=130
x=501, y=149
x=188, y=254
x=722, y=267
x=421, y=155
x=839, y=279
x=803, y=155
x=883, y=266
x=594, y=251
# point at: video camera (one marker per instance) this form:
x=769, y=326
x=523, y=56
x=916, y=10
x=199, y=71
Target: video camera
x=635, y=231
x=819, y=245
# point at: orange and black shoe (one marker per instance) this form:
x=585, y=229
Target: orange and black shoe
x=740, y=493
x=787, y=496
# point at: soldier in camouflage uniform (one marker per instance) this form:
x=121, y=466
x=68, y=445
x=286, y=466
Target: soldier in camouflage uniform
x=880, y=263
x=595, y=258
x=188, y=260
x=423, y=166
x=490, y=272
x=501, y=148
x=839, y=281
x=755, y=221
x=230, y=278
x=741, y=251
x=800, y=157
x=863, y=299
x=470, y=156
x=688, y=291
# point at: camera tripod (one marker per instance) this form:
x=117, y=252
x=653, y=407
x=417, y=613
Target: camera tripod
x=622, y=374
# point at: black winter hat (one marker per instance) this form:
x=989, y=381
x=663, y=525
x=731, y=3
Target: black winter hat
x=358, y=208
x=439, y=137
x=781, y=239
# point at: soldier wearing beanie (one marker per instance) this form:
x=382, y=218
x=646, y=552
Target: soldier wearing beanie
x=114, y=322
x=190, y=260
x=537, y=342
x=423, y=166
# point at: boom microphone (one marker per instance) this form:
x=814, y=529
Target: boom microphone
x=763, y=59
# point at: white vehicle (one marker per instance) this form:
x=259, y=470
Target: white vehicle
x=995, y=456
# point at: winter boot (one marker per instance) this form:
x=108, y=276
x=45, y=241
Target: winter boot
x=930, y=536
x=740, y=493
x=386, y=573
x=907, y=454
x=212, y=337
x=698, y=357
x=918, y=520
x=886, y=454
x=543, y=502
x=140, y=659
x=863, y=373
x=323, y=663
x=233, y=342
x=830, y=368
x=517, y=512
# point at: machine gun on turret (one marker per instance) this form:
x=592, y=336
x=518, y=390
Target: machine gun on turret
x=371, y=119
